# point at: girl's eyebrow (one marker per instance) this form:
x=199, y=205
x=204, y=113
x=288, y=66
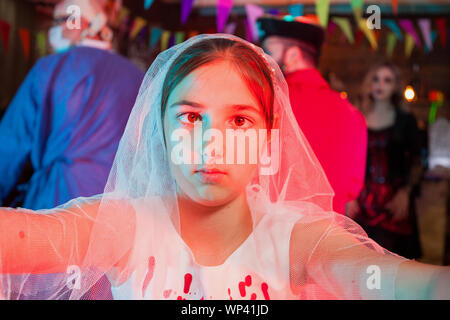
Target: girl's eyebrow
x=241, y=107
x=238, y=107
x=187, y=103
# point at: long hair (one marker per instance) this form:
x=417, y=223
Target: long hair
x=366, y=99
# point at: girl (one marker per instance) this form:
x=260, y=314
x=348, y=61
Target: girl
x=385, y=207
x=184, y=217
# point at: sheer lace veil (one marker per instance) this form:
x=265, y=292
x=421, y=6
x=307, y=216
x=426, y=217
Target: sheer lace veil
x=141, y=166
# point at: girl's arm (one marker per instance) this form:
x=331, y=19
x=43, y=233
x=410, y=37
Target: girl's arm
x=53, y=240
x=346, y=264
x=422, y=281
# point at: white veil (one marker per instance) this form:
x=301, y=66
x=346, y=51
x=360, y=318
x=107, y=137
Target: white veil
x=114, y=232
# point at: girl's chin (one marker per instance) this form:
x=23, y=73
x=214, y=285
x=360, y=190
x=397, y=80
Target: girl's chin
x=213, y=196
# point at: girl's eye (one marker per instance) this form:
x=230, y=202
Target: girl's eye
x=241, y=122
x=190, y=117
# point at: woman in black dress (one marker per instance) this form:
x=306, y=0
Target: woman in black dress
x=385, y=207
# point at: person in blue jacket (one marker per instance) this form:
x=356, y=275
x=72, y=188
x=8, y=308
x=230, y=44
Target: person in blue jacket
x=67, y=118
x=61, y=131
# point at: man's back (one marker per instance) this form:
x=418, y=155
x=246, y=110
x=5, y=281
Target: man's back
x=336, y=131
x=66, y=120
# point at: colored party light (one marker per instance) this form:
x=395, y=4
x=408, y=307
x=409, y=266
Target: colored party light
x=409, y=94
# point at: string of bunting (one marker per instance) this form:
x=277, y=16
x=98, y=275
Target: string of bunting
x=406, y=30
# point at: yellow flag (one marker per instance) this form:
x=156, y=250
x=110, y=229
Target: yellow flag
x=409, y=45
x=138, y=24
x=165, y=40
x=362, y=23
x=391, y=40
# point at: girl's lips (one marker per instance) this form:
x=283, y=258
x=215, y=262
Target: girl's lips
x=210, y=176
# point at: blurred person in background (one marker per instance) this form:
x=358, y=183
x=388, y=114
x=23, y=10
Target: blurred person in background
x=385, y=207
x=61, y=131
x=335, y=129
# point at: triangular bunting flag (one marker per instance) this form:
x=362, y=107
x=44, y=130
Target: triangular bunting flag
x=230, y=28
x=408, y=26
x=391, y=24
x=137, y=26
x=409, y=44
x=165, y=40
x=322, y=9
x=394, y=6
x=155, y=35
x=391, y=41
x=223, y=12
x=440, y=24
x=344, y=25
x=123, y=15
x=24, y=35
x=5, y=28
x=253, y=13
x=331, y=27
x=186, y=8
x=358, y=37
x=370, y=35
x=179, y=37
x=148, y=4
x=41, y=43
x=248, y=31
x=357, y=7
x=425, y=27
x=433, y=37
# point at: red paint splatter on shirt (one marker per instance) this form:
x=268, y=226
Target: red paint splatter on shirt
x=187, y=282
x=167, y=293
x=149, y=276
x=253, y=296
x=265, y=290
x=229, y=293
x=242, y=285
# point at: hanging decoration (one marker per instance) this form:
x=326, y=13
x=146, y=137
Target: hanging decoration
x=223, y=12
x=24, y=35
x=322, y=10
x=5, y=29
x=186, y=8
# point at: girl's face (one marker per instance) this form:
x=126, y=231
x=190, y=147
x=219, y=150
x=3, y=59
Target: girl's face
x=383, y=84
x=216, y=98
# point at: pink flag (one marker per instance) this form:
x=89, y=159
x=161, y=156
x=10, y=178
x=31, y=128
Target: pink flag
x=425, y=27
x=230, y=28
x=408, y=26
x=331, y=28
x=248, y=31
x=186, y=8
x=253, y=13
x=223, y=12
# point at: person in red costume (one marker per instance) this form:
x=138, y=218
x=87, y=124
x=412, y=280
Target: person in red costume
x=335, y=129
